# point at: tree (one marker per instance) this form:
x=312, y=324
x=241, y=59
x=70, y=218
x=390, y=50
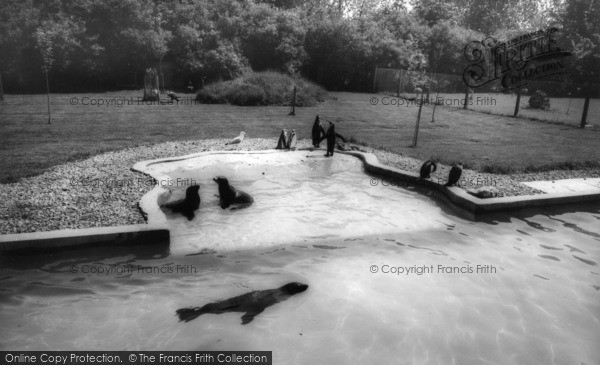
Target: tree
x=43, y=39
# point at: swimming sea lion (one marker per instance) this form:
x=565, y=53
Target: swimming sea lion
x=331, y=139
x=251, y=304
x=228, y=195
x=317, y=132
x=187, y=205
x=454, y=175
x=427, y=169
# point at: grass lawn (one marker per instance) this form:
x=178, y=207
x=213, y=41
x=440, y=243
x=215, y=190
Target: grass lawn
x=29, y=145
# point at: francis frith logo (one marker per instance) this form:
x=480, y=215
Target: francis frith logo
x=522, y=59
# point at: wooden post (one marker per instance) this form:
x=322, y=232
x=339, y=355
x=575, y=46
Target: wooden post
x=1, y=89
x=518, y=103
x=466, y=98
x=293, y=112
x=415, y=138
x=586, y=105
x=48, y=93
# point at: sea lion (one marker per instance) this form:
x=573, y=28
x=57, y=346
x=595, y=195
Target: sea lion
x=331, y=136
x=282, y=144
x=427, y=169
x=228, y=195
x=454, y=175
x=187, y=205
x=237, y=139
x=292, y=140
x=251, y=304
x=317, y=132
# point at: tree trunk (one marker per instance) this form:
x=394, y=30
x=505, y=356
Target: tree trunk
x=586, y=106
x=417, y=126
x=517, y=104
x=48, y=94
x=1, y=89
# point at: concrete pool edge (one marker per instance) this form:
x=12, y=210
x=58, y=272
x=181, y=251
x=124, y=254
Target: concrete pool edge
x=471, y=203
x=40, y=242
x=156, y=230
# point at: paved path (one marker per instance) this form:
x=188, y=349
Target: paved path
x=566, y=185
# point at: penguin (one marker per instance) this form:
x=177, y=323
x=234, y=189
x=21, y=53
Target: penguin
x=188, y=205
x=228, y=195
x=251, y=304
x=292, y=140
x=317, y=132
x=454, y=175
x=237, y=139
x=282, y=144
x=427, y=169
x=331, y=136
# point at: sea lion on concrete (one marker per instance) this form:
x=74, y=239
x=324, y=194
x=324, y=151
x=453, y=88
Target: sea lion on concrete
x=251, y=304
x=454, y=175
x=188, y=205
x=228, y=195
x=331, y=136
x=427, y=169
x=317, y=132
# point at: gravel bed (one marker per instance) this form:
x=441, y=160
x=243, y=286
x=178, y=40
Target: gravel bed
x=103, y=191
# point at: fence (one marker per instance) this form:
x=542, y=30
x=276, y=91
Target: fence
x=567, y=101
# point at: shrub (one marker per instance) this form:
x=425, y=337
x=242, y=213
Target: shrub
x=539, y=100
x=246, y=94
x=258, y=88
x=214, y=93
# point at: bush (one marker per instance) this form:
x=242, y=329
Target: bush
x=263, y=88
x=214, y=93
x=246, y=94
x=539, y=100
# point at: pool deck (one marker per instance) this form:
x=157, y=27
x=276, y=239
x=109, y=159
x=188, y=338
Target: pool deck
x=157, y=232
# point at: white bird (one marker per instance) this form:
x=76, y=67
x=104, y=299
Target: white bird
x=237, y=139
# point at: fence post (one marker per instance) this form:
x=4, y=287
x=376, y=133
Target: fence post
x=466, y=98
x=586, y=105
x=518, y=103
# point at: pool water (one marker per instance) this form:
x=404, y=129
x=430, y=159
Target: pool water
x=324, y=222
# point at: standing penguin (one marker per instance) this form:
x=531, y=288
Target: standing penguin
x=292, y=140
x=455, y=173
x=282, y=144
x=317, y=132
x=331, y=136
x=427, y=169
